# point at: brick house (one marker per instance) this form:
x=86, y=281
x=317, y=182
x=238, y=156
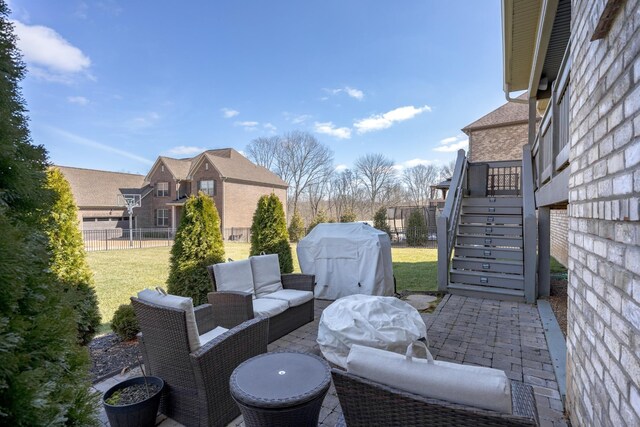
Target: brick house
x=234, y=183
x=96, y=195
x=500, y=135
x=579, y=62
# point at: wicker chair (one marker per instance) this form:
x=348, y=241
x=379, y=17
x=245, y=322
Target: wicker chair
x=236, y=307
x=196, y=383
x=366, y=403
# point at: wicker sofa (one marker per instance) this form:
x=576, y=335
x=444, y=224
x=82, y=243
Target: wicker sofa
x=196, y=382
x=237, y=306
x=367, y=403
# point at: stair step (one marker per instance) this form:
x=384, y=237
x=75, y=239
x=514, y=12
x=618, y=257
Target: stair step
x=488, y=253
x=491, y=230
x=492, y=210
x=497, y=280
x=490, y=219
x=511, y=242
x=481, y=264
x=486, y=292
x=492, y=201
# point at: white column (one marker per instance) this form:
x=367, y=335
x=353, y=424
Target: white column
x=173, y=218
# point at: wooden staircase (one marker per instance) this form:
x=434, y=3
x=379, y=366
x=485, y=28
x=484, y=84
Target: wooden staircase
x=488, y=260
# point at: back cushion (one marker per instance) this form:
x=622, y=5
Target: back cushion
x=181, y=303
x=266, y=274
x=234, y=276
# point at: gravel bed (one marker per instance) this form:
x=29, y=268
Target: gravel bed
x=558, y=301
x=109, y=356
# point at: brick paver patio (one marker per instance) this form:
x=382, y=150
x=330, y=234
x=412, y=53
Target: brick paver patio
x=498, y=334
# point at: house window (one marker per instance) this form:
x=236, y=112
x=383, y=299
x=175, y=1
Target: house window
x=162, y=189
x=162, y=217
x=208, y=187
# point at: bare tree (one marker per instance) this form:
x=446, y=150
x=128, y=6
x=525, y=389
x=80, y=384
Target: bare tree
x=318, y=191
x=417, y=181
x=446, y=171
x=378, y=176
x=301, y=161
x=346, y=192
x=264, y=151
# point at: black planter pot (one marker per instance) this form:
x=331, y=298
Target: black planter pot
x=141, y=414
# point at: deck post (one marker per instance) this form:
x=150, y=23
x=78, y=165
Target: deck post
x=544, y=251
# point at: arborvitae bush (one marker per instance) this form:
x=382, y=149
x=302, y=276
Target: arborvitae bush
x=348, y=216
x=124, y=322
x=198, y=243
x=43, y=371
x=296, y=227
x=269, y=231
x=380, y=221
x=68, y=258
x=320, y=218
x=416, y=229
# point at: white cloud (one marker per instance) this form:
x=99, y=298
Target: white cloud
x=49, y=55
x=449, y=140
x=185, y=150
x=80, y=100
x=328, y=128
x=411, y=163
x=248, y=125
x=352, y=92
x=76, y=139
x=341, y=167
x=386, y=120
x=300, y=119
x=453, y=147
x=270, y=127
x=144, y=121
x=227, y=113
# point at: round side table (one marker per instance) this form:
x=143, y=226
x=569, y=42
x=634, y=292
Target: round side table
x=280, y=389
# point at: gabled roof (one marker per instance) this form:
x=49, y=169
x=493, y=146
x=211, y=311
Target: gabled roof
x=98, y=188
x=509, y=113
x=230, y=163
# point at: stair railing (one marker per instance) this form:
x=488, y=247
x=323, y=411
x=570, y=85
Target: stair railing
x=530, y=231
x=447, y=222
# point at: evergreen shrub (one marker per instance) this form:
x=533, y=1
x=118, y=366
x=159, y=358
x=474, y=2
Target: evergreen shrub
x=416, y=229
x=125, y=323
x=380, y=221
x=348, y=216
x=269, y=231
x=296, y=227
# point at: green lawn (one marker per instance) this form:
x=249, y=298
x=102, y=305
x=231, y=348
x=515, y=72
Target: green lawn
x=121, y=274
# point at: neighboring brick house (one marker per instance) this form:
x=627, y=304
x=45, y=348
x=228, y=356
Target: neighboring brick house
x=500, y=135
x=581, y=59
x=96, y=194
x=234, y=182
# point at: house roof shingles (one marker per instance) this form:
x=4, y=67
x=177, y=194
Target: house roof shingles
x=509, y=113
x=96, y=188
x=230, y=163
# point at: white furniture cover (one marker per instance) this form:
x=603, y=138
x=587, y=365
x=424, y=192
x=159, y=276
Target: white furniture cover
x=477, y=386
x=347, y=259
x=380, y=322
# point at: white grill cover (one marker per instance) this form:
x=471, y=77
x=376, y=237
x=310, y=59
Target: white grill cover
x=386, y=323
x=347, y=259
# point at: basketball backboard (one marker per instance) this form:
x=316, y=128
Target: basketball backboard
x=129, y=201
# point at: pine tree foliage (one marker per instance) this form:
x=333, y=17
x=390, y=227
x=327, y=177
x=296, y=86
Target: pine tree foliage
x=198, y=243
x=296, y=227
x=43, y=371
x=380, y=221
x=269, y=231
x=348, y=216
x=321, y=217
x=416, y=229
x=68, y=258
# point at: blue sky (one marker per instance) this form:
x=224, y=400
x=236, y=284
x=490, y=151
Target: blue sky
x=114, y=84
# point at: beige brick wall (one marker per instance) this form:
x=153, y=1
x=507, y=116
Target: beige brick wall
x=603, y=337
x=500, y=143
x=240, y=201
x=559, y=235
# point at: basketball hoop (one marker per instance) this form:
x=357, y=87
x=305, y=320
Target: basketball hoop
x=129, y=201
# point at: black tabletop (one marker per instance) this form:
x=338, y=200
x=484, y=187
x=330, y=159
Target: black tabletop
x=280, y=379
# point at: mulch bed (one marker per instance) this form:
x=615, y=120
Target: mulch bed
x=109, y=356
x=558, y=301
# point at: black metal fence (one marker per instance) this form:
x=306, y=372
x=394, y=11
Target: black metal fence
x=120, y=238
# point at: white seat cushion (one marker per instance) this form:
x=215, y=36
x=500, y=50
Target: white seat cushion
x=181, y=303
x=293, y=296
x=234, y=276
x=208, y=336
x=265, y=307
x=476, y=386
x=266, y=274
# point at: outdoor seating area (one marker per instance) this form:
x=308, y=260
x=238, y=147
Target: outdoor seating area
x=505, y=336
